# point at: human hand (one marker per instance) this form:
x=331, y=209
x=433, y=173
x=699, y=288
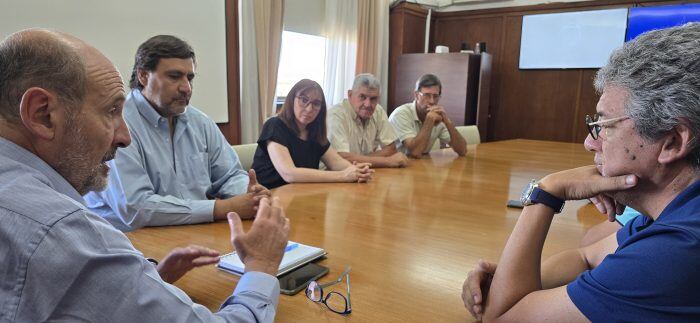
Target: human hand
x=358, y=172
x=245, y=205
x=254, y=187
x=608, y=206
x=398, y=160
x=584, y=182
x=434, y=114
x=181, y=260
x=262, y=247
x=476, y=287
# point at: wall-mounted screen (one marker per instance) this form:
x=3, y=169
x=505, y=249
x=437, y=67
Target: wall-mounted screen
x=581, y=39
x=643, y=19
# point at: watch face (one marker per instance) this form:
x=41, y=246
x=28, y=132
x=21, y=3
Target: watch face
x=525, y=197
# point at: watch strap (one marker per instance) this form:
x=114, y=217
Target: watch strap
x=541, y=196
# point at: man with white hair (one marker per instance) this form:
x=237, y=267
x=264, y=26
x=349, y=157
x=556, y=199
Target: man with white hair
x=647, y=156
x=359, y=129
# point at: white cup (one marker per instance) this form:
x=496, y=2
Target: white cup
x=439, y=49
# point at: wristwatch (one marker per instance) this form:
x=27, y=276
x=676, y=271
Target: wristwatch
x=535, y=195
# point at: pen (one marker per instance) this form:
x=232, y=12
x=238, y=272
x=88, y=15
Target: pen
x=291, y=247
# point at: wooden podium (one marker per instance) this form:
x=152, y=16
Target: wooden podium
x=465, y=84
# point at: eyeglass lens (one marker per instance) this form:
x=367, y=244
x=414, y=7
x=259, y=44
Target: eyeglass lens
x=594, y=130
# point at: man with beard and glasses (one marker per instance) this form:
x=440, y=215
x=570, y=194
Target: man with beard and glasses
x=359, y=129
x=61, y=120
x=647, y=156
x=179, y=168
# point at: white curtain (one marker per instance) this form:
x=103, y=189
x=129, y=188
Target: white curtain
x=373, y=42
x=250, y=98
x=382, y=7
x=341, y=48
x=260, y=37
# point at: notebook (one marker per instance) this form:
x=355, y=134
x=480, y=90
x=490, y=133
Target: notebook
x=295, y=255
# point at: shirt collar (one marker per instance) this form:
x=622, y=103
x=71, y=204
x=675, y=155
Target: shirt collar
x=56, y=181
x=691, y=192
x=149, y=112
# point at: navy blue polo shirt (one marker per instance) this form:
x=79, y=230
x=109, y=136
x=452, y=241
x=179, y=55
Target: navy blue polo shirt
x=654, y=275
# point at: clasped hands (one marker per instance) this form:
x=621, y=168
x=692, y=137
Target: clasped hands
x=359, y=172
x=573, y=184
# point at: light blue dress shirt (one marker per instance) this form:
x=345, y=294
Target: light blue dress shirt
x=60, y=262
x=157, y=182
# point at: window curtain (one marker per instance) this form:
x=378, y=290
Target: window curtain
x=373, y=42
x=261, y=40
x=341, y=48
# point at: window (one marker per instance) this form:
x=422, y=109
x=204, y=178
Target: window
x=302, y=56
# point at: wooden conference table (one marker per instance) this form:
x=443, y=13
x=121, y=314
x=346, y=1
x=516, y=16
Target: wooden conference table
x=410, y=235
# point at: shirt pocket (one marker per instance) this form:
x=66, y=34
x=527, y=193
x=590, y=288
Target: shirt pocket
x=197, y=170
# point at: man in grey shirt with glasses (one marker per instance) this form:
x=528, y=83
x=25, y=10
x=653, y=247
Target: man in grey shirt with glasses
x=61, y=120
x=420, y=123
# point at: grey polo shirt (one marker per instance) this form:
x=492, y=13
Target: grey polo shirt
x=347, y=133
x=407, y=125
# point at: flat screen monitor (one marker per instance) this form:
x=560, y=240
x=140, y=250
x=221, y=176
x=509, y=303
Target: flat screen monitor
x=581, y=39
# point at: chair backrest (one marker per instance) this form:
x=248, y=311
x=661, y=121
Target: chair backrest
x=470, y=134
x=245, y=154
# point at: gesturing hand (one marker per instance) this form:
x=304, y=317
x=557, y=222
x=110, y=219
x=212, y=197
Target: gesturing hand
x=254, y=187
x=181, y=260
x=476, y=288
x=262, y=247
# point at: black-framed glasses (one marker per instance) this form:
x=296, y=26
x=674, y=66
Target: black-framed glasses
x=335, y=301
x=594, y=124
x=434, y=96
x=306, y=101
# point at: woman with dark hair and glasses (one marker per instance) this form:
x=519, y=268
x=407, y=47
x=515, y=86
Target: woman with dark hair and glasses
x=292, y=144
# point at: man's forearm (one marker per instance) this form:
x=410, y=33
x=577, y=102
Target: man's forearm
x=457, y=142
x=386, y=151
x=416, y=146
x=518, y=272
x=376, y=161
x=563, y=268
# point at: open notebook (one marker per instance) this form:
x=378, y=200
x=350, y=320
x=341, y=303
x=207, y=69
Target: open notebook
x=295, y=255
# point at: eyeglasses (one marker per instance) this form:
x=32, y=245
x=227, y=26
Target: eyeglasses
x=594, y=125
x=335, y=301
x=434, y=96
x=305, y=102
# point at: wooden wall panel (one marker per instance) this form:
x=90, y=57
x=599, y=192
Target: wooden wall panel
x=406, y=35
x=530, y=104
x=232, y=128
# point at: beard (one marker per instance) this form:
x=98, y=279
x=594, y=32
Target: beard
x=75, y=164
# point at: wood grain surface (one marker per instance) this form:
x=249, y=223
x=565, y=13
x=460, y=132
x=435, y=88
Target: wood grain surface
x=410, y=235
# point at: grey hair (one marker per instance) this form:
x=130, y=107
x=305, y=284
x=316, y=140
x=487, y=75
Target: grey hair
x=39, y=58
x=366, y=80
x=428, y=80
x=660, y=70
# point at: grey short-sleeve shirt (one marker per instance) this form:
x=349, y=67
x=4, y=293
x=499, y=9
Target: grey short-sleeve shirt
x=407, y=125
